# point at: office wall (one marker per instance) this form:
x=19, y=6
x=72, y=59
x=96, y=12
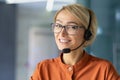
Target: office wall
x=107, y=41
x=35, y=39
x=7, y=41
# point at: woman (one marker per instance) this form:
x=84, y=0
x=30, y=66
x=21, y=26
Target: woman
x=74, y=28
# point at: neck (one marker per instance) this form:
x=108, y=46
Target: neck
x=73, y=57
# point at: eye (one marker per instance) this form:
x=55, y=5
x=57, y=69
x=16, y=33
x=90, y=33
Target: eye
x=58, y=25
x=74, y=27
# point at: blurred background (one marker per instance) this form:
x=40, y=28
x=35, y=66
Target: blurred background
x=26, y=37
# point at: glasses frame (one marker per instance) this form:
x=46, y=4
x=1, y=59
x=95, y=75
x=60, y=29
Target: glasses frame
x=65, y=27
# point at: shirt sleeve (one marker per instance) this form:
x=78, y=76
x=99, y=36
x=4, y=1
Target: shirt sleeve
x=111, y=73
x=36, y=74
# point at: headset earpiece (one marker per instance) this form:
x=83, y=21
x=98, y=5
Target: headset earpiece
x=88, y=33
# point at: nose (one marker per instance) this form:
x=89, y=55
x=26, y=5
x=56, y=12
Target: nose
x=63, y=32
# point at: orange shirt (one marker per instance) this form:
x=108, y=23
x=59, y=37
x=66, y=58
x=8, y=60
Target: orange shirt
x=88, y=68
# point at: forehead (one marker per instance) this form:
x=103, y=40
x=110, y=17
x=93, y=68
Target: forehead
x=65, y=16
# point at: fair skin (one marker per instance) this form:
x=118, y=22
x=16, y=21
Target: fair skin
x=65, y=40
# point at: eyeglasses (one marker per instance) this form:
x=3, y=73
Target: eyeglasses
x=70, y=29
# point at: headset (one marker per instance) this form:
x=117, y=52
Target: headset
x=88, y=33
x=87, y=37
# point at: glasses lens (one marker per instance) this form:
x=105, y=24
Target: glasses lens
x=56, y=27
x=70, y=29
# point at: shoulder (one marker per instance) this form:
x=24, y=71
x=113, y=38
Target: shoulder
x=104, y=67
x=100, y=61
x=48, y=62
x=102, y=64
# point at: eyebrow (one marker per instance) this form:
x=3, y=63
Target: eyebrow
x=67, y=22
x=73, y=22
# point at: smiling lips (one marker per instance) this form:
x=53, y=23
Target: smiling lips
x=64, y=40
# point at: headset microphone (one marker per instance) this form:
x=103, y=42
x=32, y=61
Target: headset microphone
x=68, y=50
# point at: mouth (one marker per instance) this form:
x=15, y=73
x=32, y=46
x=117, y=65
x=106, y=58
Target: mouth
x=64, y=43
x=64, y=40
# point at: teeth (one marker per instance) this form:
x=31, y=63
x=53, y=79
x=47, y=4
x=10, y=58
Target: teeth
x=63, y=40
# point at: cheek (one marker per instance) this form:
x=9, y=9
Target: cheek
x=81, y=35
x=79, y=38
x=76, y=40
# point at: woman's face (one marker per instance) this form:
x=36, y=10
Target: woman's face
x=63, y=39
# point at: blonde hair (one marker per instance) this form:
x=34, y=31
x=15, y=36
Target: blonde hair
x=83, y=15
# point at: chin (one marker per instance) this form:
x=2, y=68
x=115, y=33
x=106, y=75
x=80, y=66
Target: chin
x=61, y=48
